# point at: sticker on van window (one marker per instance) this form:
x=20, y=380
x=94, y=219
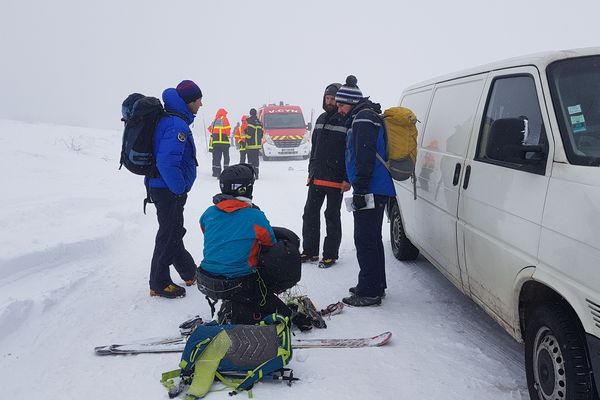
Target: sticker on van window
x=574, y=109
x=578, y=123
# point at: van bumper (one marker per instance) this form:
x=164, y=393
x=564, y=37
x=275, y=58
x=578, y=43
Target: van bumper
x=270, y=150
x=594, y=349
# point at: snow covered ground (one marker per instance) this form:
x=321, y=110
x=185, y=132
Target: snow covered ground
x=74, y=261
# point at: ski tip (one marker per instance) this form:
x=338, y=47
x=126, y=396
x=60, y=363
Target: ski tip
x=102, y=350
x=384, y=338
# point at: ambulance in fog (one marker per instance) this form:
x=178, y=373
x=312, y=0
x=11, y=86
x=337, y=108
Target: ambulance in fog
x=285, y=131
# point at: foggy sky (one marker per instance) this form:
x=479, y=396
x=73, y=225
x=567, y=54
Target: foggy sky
x=74, y=61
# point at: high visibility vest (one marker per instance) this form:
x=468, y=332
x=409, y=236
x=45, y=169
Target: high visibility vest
x=220, y=131
x=240, y=136
x=253, y=136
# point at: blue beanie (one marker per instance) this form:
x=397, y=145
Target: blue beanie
x=188, y=91
x=349, y=93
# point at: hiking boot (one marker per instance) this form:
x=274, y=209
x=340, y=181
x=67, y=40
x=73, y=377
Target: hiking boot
x=190, y=282
x=327, y=262
x=353, y=291
x=170, y=292
x=306, y=258
x=362, y=301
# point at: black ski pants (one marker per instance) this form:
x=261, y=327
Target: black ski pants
x=248, y=302
x=369, y=249
x=242, y=156
x=168, y=248
x=219, y=151
x=311, y=221
x=253, y=159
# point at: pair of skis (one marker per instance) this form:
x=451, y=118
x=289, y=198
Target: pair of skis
x=177, y=344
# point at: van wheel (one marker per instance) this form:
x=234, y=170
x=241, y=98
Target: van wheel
x=265, y=158
x=556, y=358
x=402, y=248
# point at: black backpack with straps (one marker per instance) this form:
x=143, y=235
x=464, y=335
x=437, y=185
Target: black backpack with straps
x=141, y=115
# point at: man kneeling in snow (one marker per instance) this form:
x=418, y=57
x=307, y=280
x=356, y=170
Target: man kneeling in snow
x=246, y=261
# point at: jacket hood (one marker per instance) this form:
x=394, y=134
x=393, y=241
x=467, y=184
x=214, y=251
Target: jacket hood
x=221, y=112
x=365, y=104
x=175, y=104
x=330, y=90
x=252, y=120
x=227, y=203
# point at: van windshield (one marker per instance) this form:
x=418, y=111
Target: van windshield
x=575, y=89
x=284, y=121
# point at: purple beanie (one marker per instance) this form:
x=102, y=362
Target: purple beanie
x=188, y=91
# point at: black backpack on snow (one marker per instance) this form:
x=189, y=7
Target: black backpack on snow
x=141, y=115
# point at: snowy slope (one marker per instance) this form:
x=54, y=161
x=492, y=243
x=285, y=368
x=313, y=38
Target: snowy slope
x=75, y=253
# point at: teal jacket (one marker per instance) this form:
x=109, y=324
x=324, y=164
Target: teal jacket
x=234, y=233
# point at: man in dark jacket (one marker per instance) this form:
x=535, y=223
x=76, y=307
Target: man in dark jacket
x=326, y=179
x=254, y=135
x=175, y=155
x=372, y=187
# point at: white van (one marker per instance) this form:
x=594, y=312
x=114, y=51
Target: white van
x=508, y=205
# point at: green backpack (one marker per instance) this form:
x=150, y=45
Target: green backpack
x=248, y=352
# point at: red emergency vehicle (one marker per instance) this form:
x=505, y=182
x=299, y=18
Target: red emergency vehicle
x=285, y=131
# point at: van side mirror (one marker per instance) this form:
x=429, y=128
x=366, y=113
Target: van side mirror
x=309, y=126
x=505, y=143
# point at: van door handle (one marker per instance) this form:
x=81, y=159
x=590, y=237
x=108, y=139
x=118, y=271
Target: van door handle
x=467, y=176
x=456, y=174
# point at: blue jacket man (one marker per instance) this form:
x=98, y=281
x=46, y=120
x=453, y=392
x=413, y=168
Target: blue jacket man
x=175, y=155
x=367, y=175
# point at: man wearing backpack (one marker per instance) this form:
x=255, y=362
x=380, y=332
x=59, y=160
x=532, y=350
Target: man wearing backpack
x=369, y=178
x=175, y=155
x=326, y=179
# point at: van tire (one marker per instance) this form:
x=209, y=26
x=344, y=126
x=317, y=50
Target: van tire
x=402, y=248
x=557, y=364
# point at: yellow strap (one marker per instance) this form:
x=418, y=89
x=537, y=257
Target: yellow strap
x=206, y=365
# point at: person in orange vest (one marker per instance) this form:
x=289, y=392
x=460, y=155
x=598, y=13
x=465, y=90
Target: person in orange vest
x=220, y=131
x=240, y=138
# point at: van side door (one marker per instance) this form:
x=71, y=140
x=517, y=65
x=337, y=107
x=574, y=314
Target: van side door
x=440, y=159
x=504, y=188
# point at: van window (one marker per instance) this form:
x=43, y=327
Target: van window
x=418, y=102
x=512, y=132
x=575, y=88
x=450, y=120
x=284, y=121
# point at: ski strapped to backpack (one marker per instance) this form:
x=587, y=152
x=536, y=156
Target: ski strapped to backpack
x=401, y=137
x=255, y=351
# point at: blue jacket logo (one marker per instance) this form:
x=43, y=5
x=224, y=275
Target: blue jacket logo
x=181, y=136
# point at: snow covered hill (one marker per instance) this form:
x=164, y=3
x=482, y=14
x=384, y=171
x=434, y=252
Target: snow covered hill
x=74, y=263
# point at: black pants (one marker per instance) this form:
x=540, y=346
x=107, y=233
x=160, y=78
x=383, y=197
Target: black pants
x=245, y=300
x=253, y=159
x=311, y=221
x=169, y=248
x=242, y=156
x=369, y=249
x=219, y=151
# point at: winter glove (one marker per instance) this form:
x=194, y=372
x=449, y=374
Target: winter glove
x=359, y=201
x=302, y=322
x=299, y=319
